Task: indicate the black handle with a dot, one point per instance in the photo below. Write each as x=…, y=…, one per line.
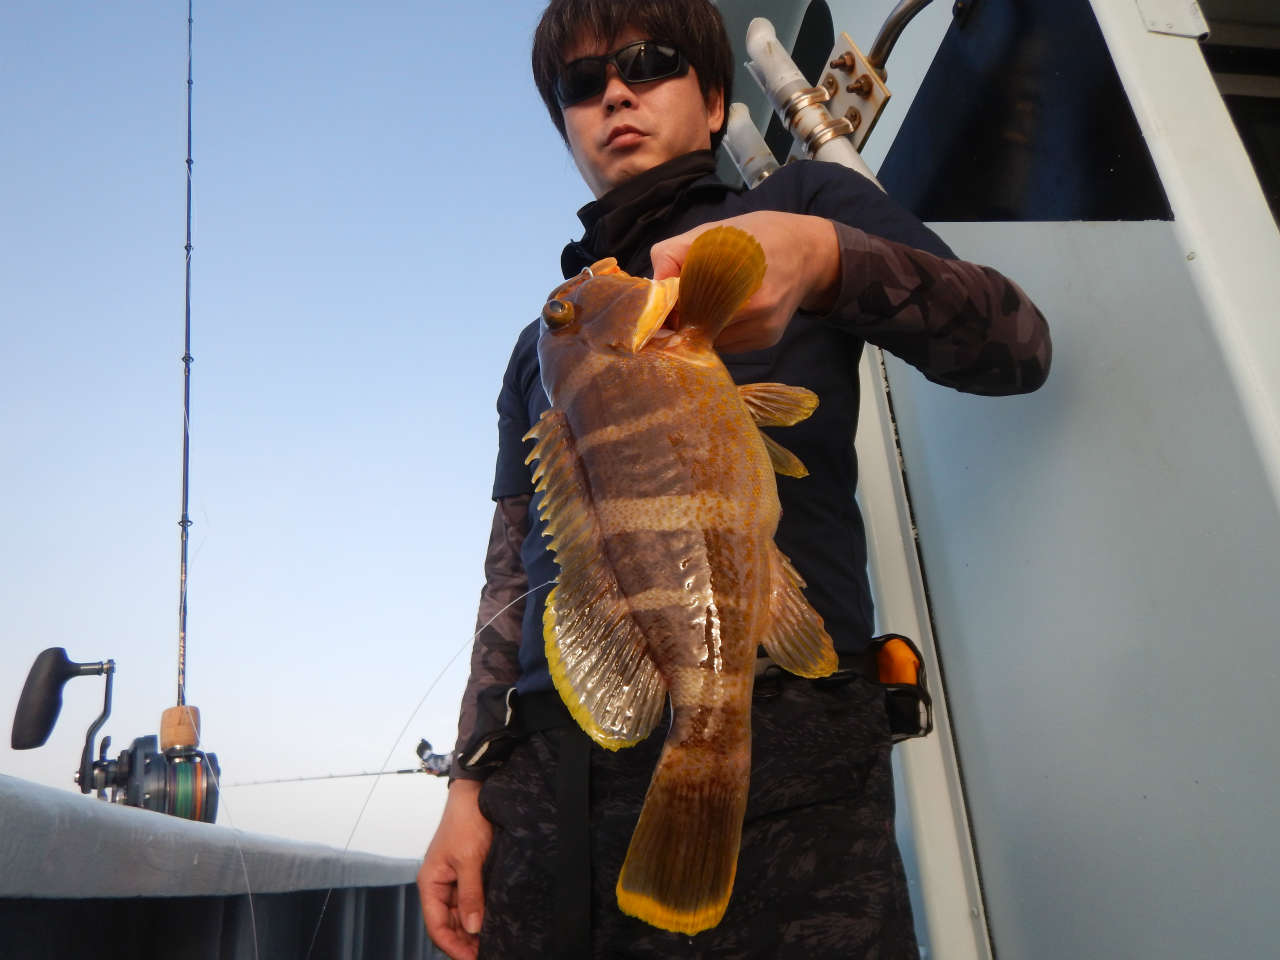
x=41, y=699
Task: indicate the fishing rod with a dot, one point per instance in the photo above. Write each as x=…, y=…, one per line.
x=180, y=724
x=168, y=774
x=435, y=764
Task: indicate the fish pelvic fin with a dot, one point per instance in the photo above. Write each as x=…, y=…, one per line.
x=723, y=268
x=783, y=460
x=795, y=639
x=599, y=659
x=680, y=866
x=779, y=405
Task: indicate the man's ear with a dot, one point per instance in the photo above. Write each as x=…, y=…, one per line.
x=715, y=110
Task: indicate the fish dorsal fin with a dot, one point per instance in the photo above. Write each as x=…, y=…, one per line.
x=795, y=639
x=599, y=660
x=723, y=268
x=783, y=460
x=602, y=268
x=776, y=404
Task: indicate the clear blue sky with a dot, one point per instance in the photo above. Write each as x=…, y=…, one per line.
x=380, y=202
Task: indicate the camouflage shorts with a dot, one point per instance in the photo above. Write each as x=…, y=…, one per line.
x=819, y=875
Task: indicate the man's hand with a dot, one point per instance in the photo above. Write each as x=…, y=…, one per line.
x=803, y=272
x=449, y=881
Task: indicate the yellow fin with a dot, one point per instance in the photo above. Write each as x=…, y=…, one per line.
x=662, y=297
x=602, y=268
x=795, y=639
x=776, y=404
x=680, y=866
x=723, y=268
x=598, y=657
x=783, y=460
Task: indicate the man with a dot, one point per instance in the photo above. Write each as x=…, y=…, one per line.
x=524, y=862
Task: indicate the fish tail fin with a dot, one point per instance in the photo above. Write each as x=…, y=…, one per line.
x=723, y=268
x=679, y=870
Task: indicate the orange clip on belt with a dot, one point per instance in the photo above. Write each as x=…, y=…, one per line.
x=896, y=662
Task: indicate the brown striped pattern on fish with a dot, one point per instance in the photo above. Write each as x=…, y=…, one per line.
x=661, y=505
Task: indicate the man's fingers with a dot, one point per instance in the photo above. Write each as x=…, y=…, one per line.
x=449, y=883
x=667, y=259
x=443, y=924
x=437, y=898
x=457, y=945
x=470, y=894
x=438, y=894
x=436, y=907
x=668, y=255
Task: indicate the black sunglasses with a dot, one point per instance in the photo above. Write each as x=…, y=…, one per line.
x=636, y=63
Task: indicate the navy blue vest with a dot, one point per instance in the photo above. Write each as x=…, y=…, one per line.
x=821, y=528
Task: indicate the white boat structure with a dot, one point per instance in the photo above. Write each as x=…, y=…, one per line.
x=1093, y=567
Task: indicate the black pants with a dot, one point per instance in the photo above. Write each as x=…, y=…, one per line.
x=819, y=875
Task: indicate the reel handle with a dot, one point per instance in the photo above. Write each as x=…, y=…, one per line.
x=41, y=699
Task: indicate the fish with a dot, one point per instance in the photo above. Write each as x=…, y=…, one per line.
x=660, y=502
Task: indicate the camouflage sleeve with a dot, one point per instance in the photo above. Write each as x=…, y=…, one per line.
x=961, y=325
x=494, y=657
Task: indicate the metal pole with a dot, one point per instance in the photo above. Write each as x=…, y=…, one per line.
x=893, y=26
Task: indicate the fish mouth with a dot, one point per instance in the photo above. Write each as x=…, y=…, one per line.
x=662, y=297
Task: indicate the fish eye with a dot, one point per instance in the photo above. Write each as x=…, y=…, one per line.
x=558, y=313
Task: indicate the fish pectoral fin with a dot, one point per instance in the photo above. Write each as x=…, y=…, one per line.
x=783, y=460
x=598, y=657
x=680, y=866
x=777, y=404
x=722, y=269
x=795, y=639
x=600, y=663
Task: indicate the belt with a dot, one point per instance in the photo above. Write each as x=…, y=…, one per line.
x=769, y=674
x=850, y=665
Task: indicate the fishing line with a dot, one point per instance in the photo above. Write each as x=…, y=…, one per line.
x=235, y=836
x=323, y=776
x=374, y=786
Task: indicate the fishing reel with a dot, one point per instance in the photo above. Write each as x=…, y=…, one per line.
x=167, y=774
x=436, y=764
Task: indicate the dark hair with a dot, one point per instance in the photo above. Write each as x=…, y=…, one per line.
x=694, y=26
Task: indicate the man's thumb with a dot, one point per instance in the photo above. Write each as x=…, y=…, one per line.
x=665, y=263
x=668, y=256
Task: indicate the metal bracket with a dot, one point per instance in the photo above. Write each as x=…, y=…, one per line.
x=1176, y=18
x=856, y=93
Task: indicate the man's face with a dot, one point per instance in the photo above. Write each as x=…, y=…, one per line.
x=626, y=130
